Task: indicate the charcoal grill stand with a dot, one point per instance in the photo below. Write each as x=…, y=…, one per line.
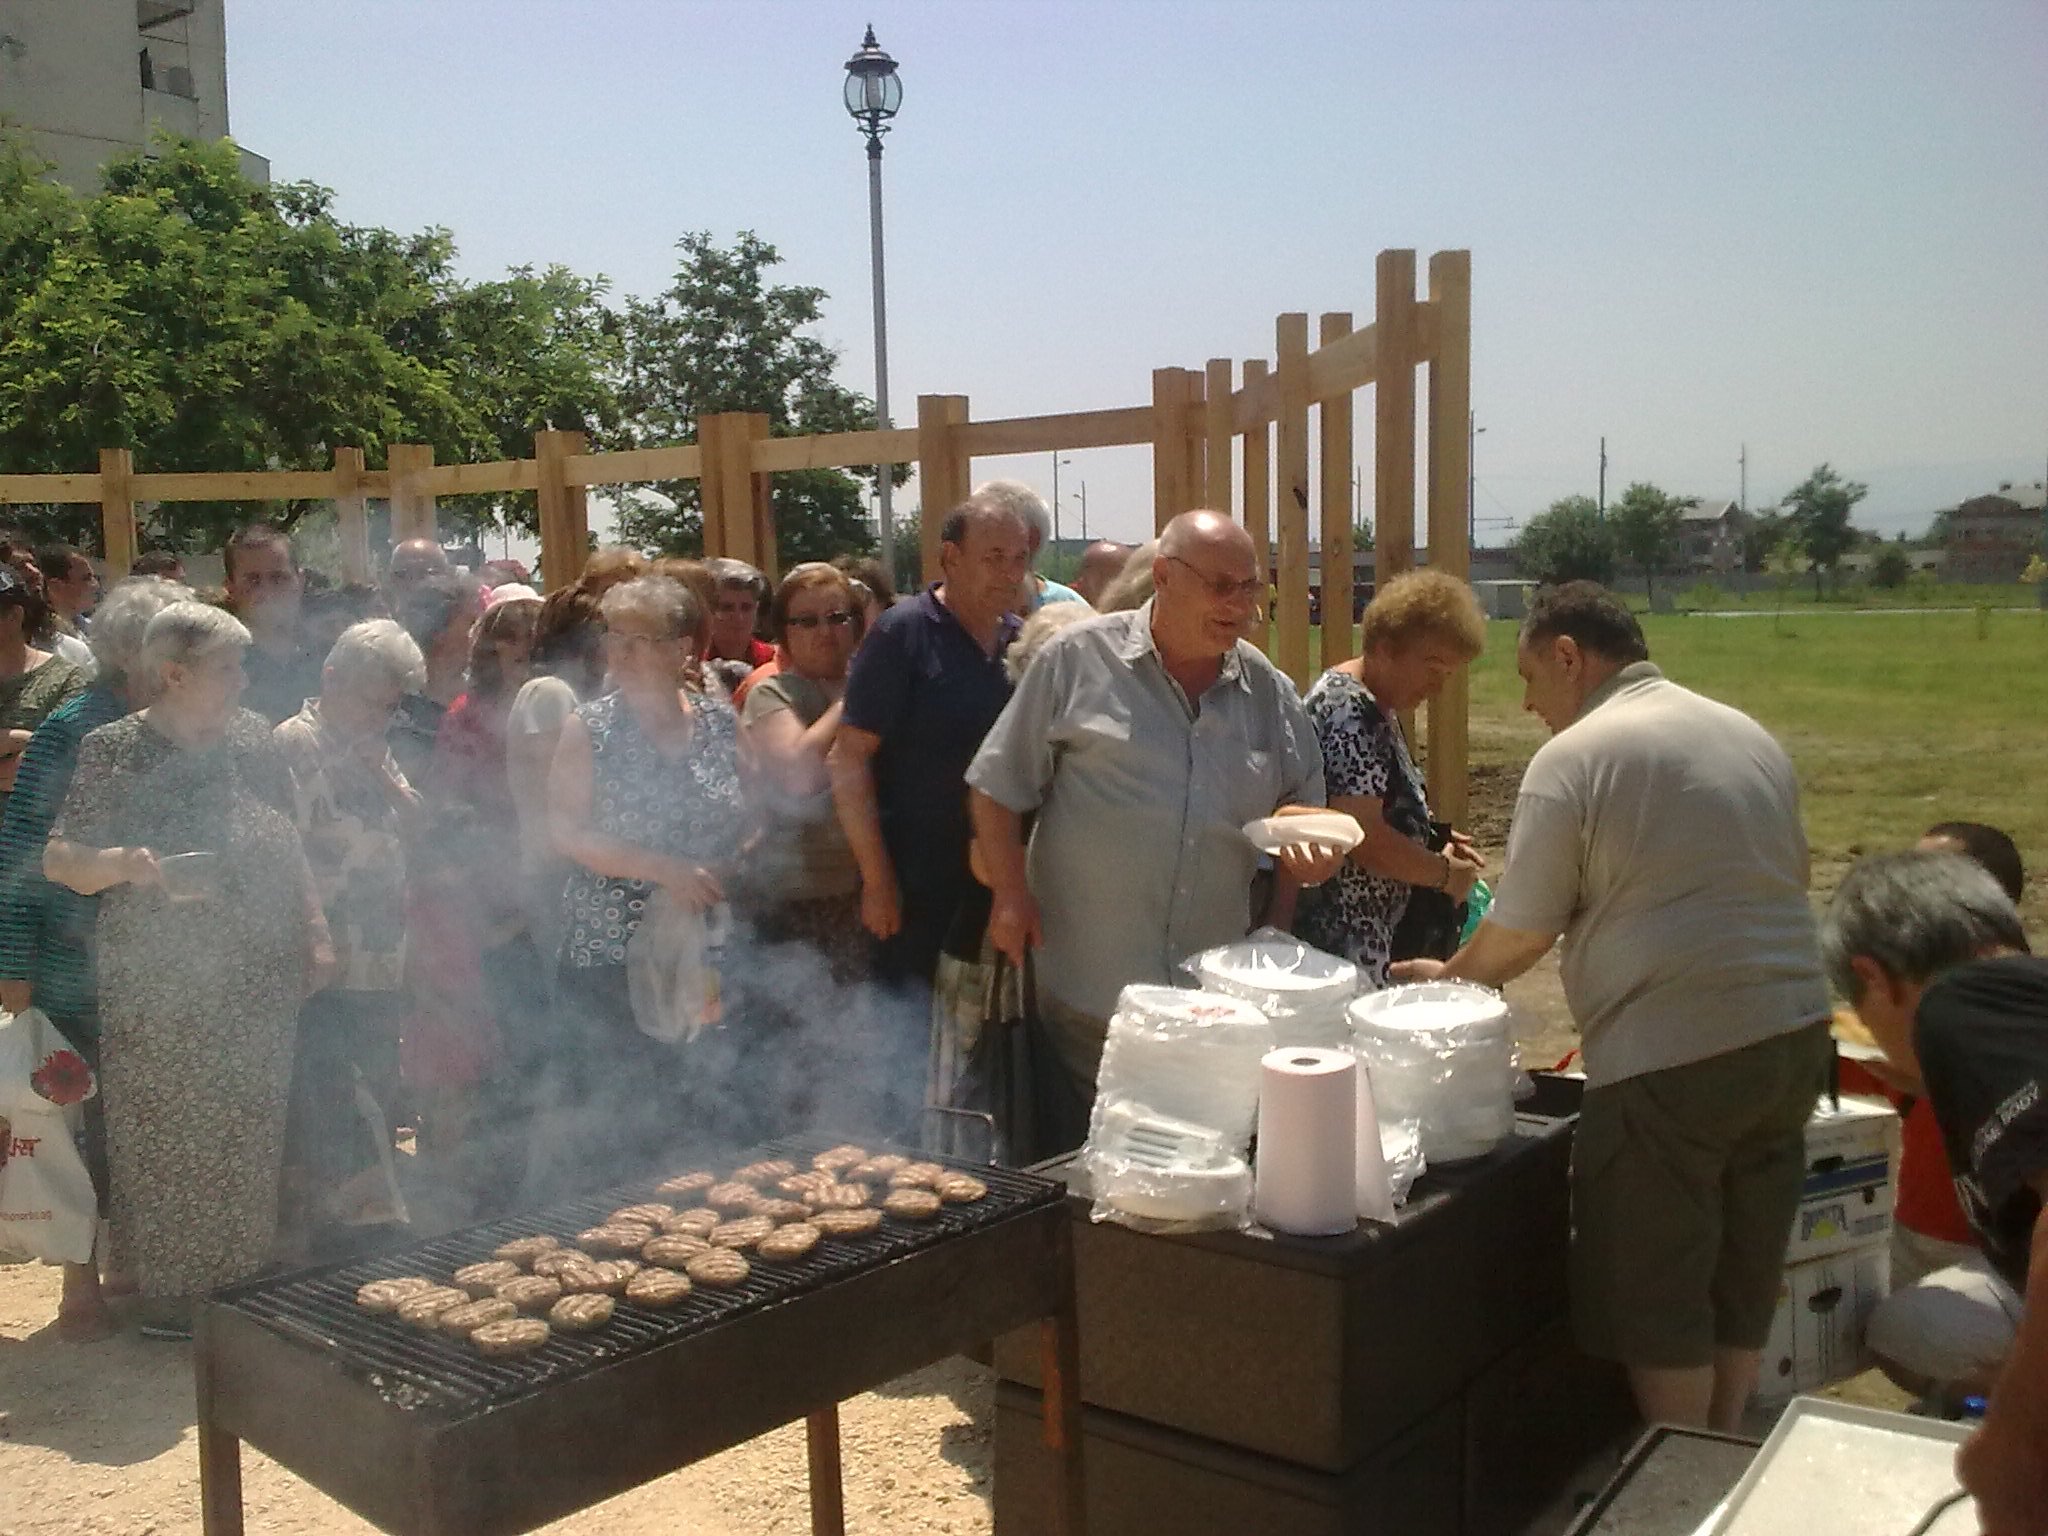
x=521, y=1463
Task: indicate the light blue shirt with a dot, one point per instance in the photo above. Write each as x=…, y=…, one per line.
x=1053, y=592
x=1138, y=858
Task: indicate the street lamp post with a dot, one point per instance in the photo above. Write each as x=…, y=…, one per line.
x=1084, y=521
x=873, y=93
x=1472, y=431
x=1057, y=461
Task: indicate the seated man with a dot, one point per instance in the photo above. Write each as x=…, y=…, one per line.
x=1931, y=953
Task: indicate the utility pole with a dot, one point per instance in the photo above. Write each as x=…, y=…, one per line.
x=1055, y=499
x=1742, y=497
x=1472, y=431
x=1084, y=511
x=1603, y=477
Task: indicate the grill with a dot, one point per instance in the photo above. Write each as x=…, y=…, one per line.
x=419, y=1433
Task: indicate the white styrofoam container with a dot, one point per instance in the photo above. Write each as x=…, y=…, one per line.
x=1861, y=1132
x=1824, y=1306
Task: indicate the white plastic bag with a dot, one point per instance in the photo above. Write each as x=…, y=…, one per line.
x=48, y=1209
x=669, y=978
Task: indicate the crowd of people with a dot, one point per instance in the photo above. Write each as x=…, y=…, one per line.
x=673, y=859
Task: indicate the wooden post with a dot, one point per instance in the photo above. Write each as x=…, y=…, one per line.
x=1216, y=423
x=943, y=472
x=1171, y=488
x=412, y=504
x=726, y=485
x=352, y=515
x=1450, y=545
x=828, y=1488
x=1335, y=420
x=1258, y=489
x=1291, y=495
x=761, y=500
x=1393, y=449
x=564, y=508
x=117, y=510
x=1197, y=448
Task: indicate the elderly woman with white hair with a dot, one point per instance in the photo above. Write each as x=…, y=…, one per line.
x=355, y=812
x=203, y=962
x=644, y=796
x=46, y=930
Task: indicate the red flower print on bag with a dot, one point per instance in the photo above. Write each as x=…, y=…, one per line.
x=63, y=1078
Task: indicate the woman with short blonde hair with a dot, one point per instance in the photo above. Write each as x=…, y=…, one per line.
x=1420, y=628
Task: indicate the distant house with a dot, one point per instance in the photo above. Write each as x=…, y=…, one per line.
x=1710, y=538
x=1991, y=537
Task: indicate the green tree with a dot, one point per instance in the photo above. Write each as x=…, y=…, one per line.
x=1761, y=536
x=208, y=323
x=1568, y=541
x=1891, y=568
x=723, y=338
x=1644, y=526
x=1361, y=533
x=1817, y=520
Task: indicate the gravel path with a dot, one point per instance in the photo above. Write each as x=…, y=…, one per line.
x=98, y=1440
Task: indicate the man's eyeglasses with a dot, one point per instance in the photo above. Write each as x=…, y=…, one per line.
x=1222, y=588
x=836, y=618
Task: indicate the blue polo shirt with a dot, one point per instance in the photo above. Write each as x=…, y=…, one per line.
x=923, y=685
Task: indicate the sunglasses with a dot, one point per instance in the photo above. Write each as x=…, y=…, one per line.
x=837, y=619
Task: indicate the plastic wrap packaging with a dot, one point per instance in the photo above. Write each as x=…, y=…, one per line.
x=1441, y=1053
x=1175, y=1100
x=1401, y=1143
x=1303, y=990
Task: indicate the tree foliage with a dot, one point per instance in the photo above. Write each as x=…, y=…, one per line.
x=1891, y=567
x=1817, y=520
x=1644, y=525
x=723, y=338
x=1568, y=541
x=208, y=323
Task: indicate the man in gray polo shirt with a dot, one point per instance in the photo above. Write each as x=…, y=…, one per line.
x=1144, y=741
x=1658, y=832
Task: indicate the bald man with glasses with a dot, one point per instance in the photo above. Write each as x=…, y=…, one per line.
x=1142, y=742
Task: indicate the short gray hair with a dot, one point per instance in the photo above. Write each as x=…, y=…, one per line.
x=1915, y=914
x=667, y=601
x=122, y=618
x=728, y=574
x=1020, y=501
x=190, y=632
x=378, y=649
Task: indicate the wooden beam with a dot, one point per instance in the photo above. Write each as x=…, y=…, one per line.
x=474, y=479
x=564, y=508
x=1393, y=449
x=1334, y=457
x=1450, y=548
x=1170, y=489
x=1197, y=442
x=35, y=488
x=633, y=466
x=841, y=450
x=1291, y=494
x=238, y=485
x=352, y=514
x=1124, y=428
x=1258, y=487
x=943, y=470
x=1343, y=364
x=1216, y=424
x=412, y=503
x=117, y=510
x=376, y=484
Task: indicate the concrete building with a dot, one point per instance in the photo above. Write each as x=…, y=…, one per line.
x=92, y=79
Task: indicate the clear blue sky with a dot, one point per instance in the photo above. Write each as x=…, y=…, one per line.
x=1820, y=229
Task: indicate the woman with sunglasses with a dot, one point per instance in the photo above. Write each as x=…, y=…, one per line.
x=803, y=876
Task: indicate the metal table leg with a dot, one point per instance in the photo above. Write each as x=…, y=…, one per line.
x=220, y=1482
x=828, y=1496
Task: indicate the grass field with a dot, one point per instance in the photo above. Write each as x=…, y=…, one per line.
x=1894, y=720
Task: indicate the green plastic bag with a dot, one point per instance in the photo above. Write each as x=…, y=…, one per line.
x=1476, y=907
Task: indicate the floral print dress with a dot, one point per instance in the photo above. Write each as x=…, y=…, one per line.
x=1364, y=754
x=198, y=998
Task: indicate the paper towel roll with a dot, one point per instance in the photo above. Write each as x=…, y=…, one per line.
x=1307, y=1181
x=1375, y=1186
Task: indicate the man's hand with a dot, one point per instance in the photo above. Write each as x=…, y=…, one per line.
x=1416, y=970
x=15, y=996
x=323, y=966
x=2008, y=1477
x=135, y=866
x=693, y=885
x=1307, y=865
x=1013, y=926
x=881, y=908
x=1463, y=868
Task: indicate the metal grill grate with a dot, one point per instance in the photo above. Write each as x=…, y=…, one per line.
x=431, y=1372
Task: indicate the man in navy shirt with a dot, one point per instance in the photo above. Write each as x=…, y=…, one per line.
x=924, y=688
x=1931, y=953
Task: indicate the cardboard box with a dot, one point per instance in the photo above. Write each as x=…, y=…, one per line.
x=1824, y=1306
x=1851, y=1184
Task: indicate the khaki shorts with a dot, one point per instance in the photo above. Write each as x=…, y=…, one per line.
x=1684, y=1184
